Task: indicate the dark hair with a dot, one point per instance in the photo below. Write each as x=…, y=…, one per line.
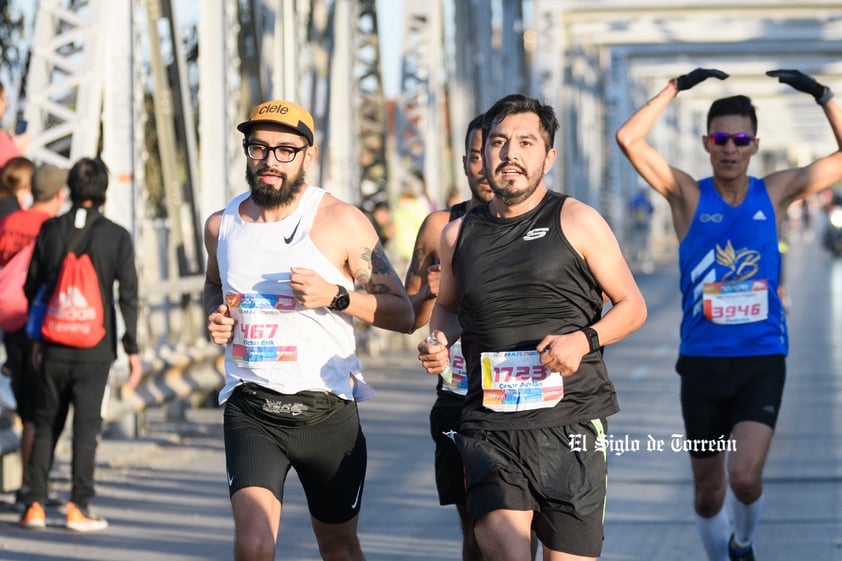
x=735, y=105
x=476, y=123
x=88, y=181
x=16, y=174
x=515, y=104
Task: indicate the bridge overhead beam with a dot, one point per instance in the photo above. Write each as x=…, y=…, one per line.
x=620, y=55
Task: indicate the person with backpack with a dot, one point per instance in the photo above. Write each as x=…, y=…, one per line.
x=17, y=236
x=78, y=257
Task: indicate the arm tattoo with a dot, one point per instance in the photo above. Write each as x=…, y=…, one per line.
x=418, y=256
x=379, y=270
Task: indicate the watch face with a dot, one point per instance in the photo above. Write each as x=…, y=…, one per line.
x=341, y=301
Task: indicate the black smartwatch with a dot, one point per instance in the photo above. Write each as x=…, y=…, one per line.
x=341, y=300
x=593, y=338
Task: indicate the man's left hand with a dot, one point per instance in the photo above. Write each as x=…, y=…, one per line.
x=563, y=353
x=309, y=289
x=801, y=82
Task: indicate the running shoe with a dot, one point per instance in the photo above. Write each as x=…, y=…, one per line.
x=34, y=517
x=83, y=520
x=735, y=554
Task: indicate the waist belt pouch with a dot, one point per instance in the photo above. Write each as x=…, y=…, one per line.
x=291, y=410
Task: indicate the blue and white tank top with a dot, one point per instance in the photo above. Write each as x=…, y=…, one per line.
x=730, y=269
x=278, y=344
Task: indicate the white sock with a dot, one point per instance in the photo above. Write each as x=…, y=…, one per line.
x=715, y=533
x=746, y=519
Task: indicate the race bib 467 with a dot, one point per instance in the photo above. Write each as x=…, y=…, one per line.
x=264, y=334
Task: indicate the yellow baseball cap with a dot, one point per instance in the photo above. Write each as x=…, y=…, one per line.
x=281, y=112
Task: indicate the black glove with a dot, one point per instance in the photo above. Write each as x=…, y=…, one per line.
x=803, y=83
x=687, y=81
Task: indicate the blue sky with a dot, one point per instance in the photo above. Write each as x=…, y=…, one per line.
x=390, y=28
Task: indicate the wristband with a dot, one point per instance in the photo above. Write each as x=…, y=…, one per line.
x=593, y=338
x=826, y=96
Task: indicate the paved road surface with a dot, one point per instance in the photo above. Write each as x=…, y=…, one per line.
x=165, y=495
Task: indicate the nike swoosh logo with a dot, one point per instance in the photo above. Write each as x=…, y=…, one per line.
x=292, y=235
x=359, y=492
x=230, y=480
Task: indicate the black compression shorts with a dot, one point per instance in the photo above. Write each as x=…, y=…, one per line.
x=717, y=393
x=316, y=433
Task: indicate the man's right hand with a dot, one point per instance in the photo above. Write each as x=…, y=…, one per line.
x=687, y=81
x=432, y=353
x=221, y=326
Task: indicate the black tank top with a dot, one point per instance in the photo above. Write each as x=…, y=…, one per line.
x=458, y=210
x=520, y=280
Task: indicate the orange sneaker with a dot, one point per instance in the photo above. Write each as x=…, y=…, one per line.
x=34, y=517
x=83, y=520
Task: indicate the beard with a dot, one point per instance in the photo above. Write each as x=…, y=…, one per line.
x=482, y=194
x=506, y=192
x=267, y=196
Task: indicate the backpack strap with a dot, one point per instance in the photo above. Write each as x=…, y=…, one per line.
x=79, y=235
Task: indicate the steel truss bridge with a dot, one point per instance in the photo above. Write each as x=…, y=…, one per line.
x=111, y=78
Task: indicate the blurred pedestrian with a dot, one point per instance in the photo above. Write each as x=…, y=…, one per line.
x=412, y=208
x=17, y=230
x=640, y=225
x=15, y=185
x=381, y=216
x=12, y=143
x=72, y=375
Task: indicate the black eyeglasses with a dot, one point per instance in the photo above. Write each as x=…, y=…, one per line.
x=740, y=139
x=284, y=154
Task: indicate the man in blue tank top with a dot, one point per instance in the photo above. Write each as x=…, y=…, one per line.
x=522, y=283
x=733, y=332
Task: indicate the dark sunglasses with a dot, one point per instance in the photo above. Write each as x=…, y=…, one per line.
x=740, y=139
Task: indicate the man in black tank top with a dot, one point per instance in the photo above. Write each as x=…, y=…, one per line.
x=522, y=283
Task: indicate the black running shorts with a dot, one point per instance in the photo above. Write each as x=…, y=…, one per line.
x=718, y=392
x=316, y=433
x=555, y=472
x=450, y=473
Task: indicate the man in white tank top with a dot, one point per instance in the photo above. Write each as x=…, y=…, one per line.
x=289, y=268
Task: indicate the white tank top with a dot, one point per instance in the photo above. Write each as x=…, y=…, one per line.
x=278, y=344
